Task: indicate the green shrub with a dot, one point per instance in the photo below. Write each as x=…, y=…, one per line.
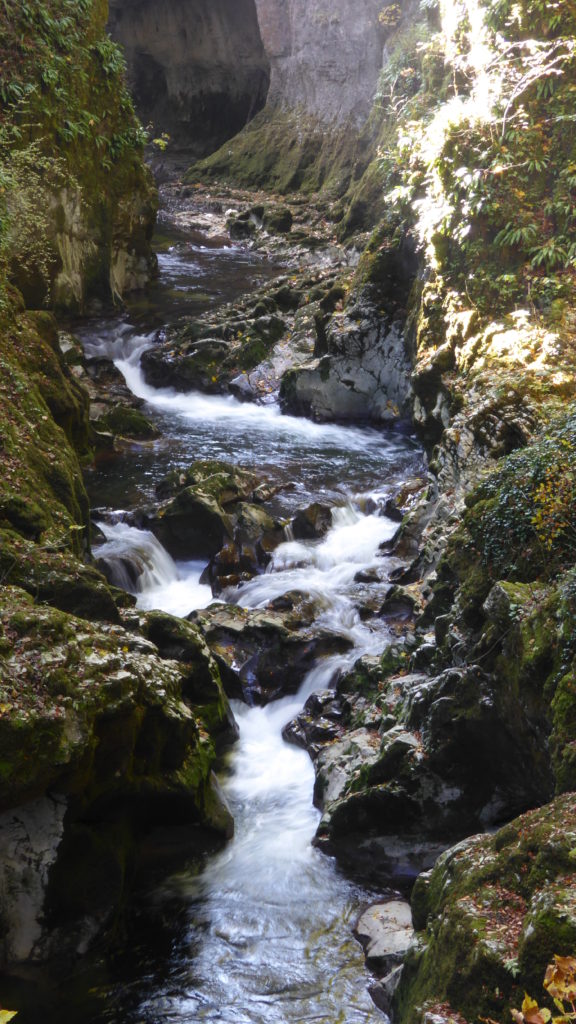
x=523, y=517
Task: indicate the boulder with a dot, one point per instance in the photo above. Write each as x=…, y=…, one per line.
x=385, y=931
x=455, y=753
x=101, y=746
x=312, y=522
x=320, y=722
x=362, y=373
x=490, y=916
x=261, y=657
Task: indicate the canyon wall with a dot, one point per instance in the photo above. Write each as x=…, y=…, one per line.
x=325, y=59
x=198, y=71
x=201, y=72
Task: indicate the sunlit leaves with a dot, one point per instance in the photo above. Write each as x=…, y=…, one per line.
x=531, y=1013
x=560, y=983
x=560, y=980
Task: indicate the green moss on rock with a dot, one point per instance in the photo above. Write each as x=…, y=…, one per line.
x=490, y=915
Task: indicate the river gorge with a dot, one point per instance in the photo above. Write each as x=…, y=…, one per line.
x=262, y=924
x=287, y=558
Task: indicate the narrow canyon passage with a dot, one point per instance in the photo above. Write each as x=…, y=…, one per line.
x=264, y=932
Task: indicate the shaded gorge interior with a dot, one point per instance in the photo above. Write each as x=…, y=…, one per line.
x=198, y=72
x=287, y=555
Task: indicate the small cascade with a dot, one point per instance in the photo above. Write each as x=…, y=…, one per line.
x=270, y=918
x=136, y=561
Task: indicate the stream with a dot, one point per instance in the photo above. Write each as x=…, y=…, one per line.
x=263, y=932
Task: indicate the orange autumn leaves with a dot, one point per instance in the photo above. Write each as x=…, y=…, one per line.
x=560, y=984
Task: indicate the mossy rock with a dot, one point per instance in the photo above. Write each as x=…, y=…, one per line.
x=98, y=714
x=127, y=422
x=58, y=578
x=491, y=914
x=278, y=220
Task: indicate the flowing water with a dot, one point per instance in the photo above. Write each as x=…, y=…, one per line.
x=264, y=932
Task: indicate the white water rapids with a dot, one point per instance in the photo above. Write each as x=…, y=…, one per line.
x=269, y=920
x=269, y=937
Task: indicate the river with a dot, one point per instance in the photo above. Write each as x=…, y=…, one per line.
x=263, y=932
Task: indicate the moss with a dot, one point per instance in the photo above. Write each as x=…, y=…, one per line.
x=563, y=744
x=40, y=465
x=99, y=199
x=286, y=154
x=492, y=902
x=93, y=710
x=129, y=423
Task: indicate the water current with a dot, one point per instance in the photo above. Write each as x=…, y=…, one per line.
x=263, y=934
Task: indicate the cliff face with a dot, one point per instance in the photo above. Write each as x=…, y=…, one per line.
x=77, y=205
x=198, y=70
x=325, y=59
x=301, y=74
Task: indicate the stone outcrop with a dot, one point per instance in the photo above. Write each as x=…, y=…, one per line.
x=80, y=203
x=364, y=375
x=108, y=719
x=101, y=747
x=489, y=918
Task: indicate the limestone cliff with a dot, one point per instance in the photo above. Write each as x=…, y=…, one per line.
x=325, y=59
x=202, y=71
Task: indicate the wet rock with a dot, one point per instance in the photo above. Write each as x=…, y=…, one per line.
x=128, y=422
x=364, y=372
x=382, y=992
x=312, y=522
x=240, y=228
x=255, y=536
x=385, y=931
x=260, y=657
x=288, y=298
x=59, y=579
x=224, y=482
x=278, y=220
x=195, y=368
x=358, y=749
x=180, y=641
x=319, y=722
x=214, y=510
x=192, y=525
x=401, y=603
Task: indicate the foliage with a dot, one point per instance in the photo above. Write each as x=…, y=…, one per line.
x=560, y=983
x=66, y=121
x=555, y=500
x=523, y=517
x=390, y=16
x=489, y=175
